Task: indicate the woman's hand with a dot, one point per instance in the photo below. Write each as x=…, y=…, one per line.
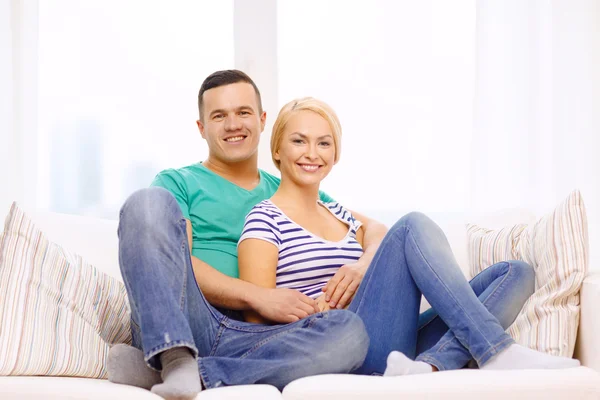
x=340, y=289
x=283, y=305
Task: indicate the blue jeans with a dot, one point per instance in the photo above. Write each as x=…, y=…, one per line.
x=466, y=321
x=168, y=310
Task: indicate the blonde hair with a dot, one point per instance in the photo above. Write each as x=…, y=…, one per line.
x=306, y=104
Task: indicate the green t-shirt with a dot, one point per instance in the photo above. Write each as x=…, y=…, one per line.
x=217, y=209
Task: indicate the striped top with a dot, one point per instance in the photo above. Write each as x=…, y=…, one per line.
x=306, y=261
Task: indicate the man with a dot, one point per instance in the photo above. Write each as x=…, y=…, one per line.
x=177, y=249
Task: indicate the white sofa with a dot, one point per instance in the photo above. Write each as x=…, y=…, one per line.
x=96, y=241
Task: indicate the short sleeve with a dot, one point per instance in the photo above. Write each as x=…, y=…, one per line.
x=355, y=223
x=344, y=214
x=260, y=224
x=172, y=181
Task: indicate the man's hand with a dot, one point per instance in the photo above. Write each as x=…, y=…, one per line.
x=340, y=289
x=322, y=304
x=283, y=305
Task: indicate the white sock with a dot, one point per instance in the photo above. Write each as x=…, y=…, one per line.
x=181, y=380
x=516, y=356
x=399, y=364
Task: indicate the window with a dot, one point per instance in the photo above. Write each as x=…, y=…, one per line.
x=117, y=94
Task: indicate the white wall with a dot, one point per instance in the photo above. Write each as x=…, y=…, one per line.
x=400, y=76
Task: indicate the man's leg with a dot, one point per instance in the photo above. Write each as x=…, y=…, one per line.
x=413, y=259
x=171, y=321
x=323, y=343
x=503, y=288
x=166, y=303
x=156, y=268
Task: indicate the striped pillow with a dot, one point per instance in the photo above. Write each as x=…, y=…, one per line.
x=556, y=246
x=58, y=314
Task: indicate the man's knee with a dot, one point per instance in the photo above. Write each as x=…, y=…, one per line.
x=148, y=205
x=352, y=340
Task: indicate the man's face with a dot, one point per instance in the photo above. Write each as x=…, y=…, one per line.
x=232, y=123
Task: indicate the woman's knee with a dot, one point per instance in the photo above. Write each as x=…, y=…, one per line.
x=523, y=273
x=417, y=222
x=413, y=219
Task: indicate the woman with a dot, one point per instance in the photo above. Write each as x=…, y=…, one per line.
x=296, y=241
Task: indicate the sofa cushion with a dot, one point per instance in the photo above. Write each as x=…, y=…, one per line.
x=587, y=349
x=573, y=383
x=58, y=313
x=54, y=388
x=92, y=238
x=556, y=246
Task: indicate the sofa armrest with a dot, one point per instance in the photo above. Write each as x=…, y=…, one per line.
x=587, y=348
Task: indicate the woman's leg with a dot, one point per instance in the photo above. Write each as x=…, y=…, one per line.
x=503, y=288
x=413, y=259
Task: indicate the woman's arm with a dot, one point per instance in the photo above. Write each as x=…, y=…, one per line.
x=257, y=263
x=373, y=233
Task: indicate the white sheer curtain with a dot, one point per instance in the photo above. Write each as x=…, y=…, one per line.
x=18, y=85
x=6, y=104
x=537, y=120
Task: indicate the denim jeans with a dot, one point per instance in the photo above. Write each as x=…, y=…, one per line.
x=467, y=321
x=168, y=310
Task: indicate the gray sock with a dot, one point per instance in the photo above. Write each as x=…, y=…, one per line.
x=516, y=356
x=181, y=380
x=126, y=366
x=399, y=364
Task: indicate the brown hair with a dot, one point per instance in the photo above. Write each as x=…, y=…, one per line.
x=222, y=78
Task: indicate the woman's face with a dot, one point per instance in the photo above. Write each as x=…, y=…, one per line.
x=307, y=150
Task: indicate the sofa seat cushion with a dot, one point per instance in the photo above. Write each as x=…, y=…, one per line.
x=59, y=388
x=576, y=383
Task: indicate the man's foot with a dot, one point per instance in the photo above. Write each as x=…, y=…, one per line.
x=516, y=356
x=181, y=379
x=399, y=364
x=126, y=366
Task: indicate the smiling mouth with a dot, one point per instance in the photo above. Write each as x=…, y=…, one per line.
x=309, y=167
x=235, y=139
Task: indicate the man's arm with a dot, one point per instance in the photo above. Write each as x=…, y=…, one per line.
x=235, y=294
x=340, y=289
x=374, y=232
